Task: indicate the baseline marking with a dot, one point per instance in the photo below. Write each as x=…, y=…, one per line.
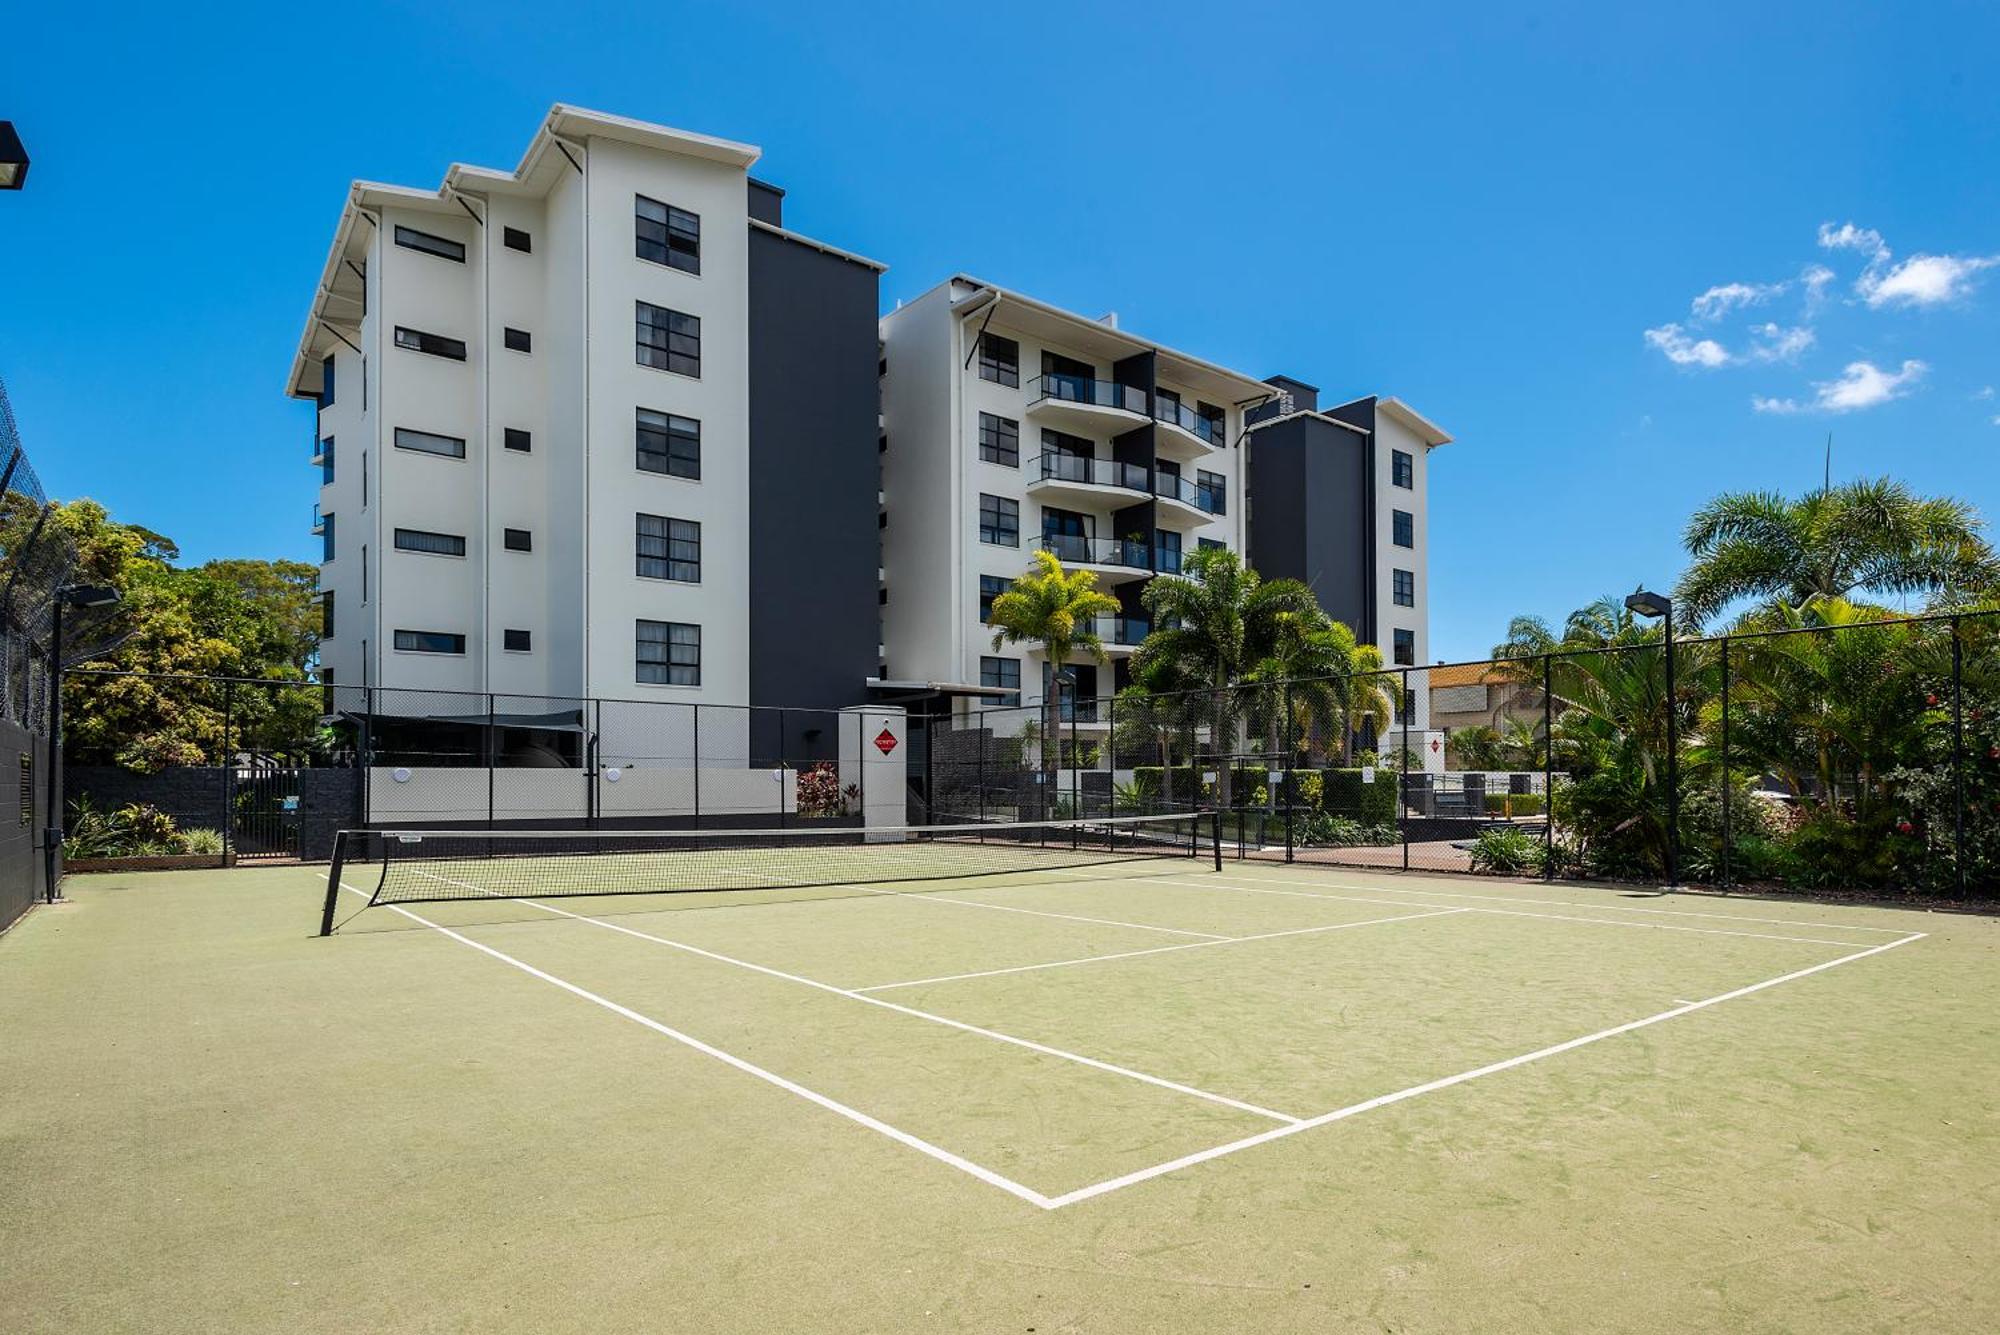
x=1161, y=950
x=901, y=1137
x=994, y=1034
x=1431, y=1087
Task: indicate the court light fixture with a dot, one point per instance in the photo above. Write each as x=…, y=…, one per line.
x=13, y=158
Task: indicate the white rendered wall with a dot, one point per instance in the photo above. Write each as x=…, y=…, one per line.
x=1391, y=435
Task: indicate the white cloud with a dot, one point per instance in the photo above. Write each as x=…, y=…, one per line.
x=1778, y=343
x=1718, y=301
x=1922, y=280
x=1861, y=385
x=1985, y=392
x=1682, y=350
x=1814, y=279
x=1849, y=237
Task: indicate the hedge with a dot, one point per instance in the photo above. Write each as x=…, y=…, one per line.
x=1514, y=804
x=1370, y=803
x=1187, y=781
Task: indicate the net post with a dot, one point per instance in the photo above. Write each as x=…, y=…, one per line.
x=1549, y=768
x=1958, y=756
x=333, y=882
x=1403, y=767
x=1285, y=727
x=1727, y=870
x=1215, y=838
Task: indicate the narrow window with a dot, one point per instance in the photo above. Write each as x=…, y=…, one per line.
x=1404, y=528
x=518, y=340
x=1000, y=360
x=437, y=345
x=326, y=382
x=991, y=587
x=431, y=544
x=1405, y=588
x=326, y=615
x=429, y=642
x=1209, y=544
x=515, y=239
x=517, y=539
x=669, y=653
x=999, y=521
x=667, y=235
x=1402, y=469
x=326, y=462
x=430, y=442
x=515, y=641
x=517, y=439
x=364, y=572
x=443, y=247
x=364, y=479
x=1406, y=647
x=669, y=444
x=1000, y=440
x=326, y=537
x=668, y=340
x=669, y=549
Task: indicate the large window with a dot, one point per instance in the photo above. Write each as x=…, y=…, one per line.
x=667, y=235
x=1402, y=469
x=999, y=521
x=1405, y=588
x=1406, y=647
x=430, y=442
x=1000, y=440
x=442, y=247
x=1211, y=491
x=1405, y=528
x=431, y=544
x=991, y=587
x=669, y=653
x=429, y=642
x=1000, y=360
x=437, y=345
x=669, y=444
x=669, y=549
x=1003, y=673
x=668, y=340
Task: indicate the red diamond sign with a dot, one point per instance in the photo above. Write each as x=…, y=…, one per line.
x=885, y=741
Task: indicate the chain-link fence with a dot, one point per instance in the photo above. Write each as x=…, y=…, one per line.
x=1857, y=755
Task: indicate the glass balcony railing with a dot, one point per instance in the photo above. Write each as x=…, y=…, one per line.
x=1082, y=389
x=319, y=523
x=1129, y=553
x=1122, y=630
x=1099, y=472
x=1187, y=419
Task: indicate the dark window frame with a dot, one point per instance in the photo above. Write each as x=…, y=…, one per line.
x=1000, y=360
x=429, y=243
x=427, y=642
x=1403, y=528
x=509, y=644
x=1403, y=469
x=673, y=239
x=517, y=540
x=514, y=238
x=1403, y=647
x=995, y=669
x=996, y=522
x=679, y=448
x=396, y=438
x=991, y=587
x=517, y=340
x=674, y=662
x=671, y=547
x=418, y=534
x=517, y=440
x=1403, y=587
x=675, y=331
x=431, y=345
x=999, y=440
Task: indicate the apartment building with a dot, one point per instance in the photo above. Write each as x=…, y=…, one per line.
x=596, y=426
x=1339, y=500
x=1013, y=425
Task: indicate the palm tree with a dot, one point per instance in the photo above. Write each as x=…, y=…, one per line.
x=1054, y=610
x=1857, y=538
x=1214, y=624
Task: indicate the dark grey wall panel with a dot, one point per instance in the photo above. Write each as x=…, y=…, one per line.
x=1309, y=516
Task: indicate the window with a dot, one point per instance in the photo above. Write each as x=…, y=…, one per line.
x=1211, y=491
x=517, y=439
x=429, y=642
x=1405, y=588
x=1000, y=360
x=1167, y=551
x=437, y=345
x=433, y=544
x=1402, y=469
x=666, y=235
x=326, y=382
x=1406, y=647
x=515, y=239
x=668, y=340
x=999, y=521
x=669, y=444
x=669, y=549
x=326, y=462
x=516, y=641
x=444, y=248
x=326, y=615
x=1409, y=704
x=364, y=479
x=517, y=540
x=1000, y=440
x=364, y=381
x=326, y=537
x=1212, y=418
x=326, y=697
x=991, y=587
x=669, y=653
x=429, y=442
x=1209, y=544
x=1004, y=673
x=1405, y=528
x=364, y=572
x=518, y=340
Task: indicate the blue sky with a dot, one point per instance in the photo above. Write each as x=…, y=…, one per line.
x=1481, y=209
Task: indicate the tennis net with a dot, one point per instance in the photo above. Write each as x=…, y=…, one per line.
x=420, y=866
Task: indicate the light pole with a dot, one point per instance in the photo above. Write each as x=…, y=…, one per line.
x=1659, y=605
x=13, y=158
x=78, y=596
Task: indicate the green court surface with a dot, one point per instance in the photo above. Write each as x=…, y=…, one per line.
x=1146, y=1097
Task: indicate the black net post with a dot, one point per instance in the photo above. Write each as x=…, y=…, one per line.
x=1727, y=870
x=1958, y=757
x=1673, y=764
x=333, y=883
x=1548, y=768
x=1403, y=766
x=1215, y=838
x=1288, y=748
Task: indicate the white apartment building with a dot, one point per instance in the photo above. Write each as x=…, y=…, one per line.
x=1012, y=425
x=577, y=423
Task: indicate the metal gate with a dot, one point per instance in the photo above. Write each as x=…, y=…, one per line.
x=264, y=812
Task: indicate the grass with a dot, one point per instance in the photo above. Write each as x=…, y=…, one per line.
x=215, y=1120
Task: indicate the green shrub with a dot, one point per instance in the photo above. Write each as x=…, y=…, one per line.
x=1343, y=794
x=1187, y=782
x=201, y=841
x=1506, y=851
x=1514, y=804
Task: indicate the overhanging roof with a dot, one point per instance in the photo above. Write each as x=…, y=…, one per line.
x=1428, y=431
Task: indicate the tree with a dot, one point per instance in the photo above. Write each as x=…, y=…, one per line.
x=1870, y=537
x=1214, y=624
x=1052, y=609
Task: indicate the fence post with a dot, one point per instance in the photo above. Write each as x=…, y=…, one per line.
x=1111, y=752
x=366, y=744
x=1548, y=768
x=1075, y=760
x=1958, y=756
x=697, y=765
x=784, y=766
x=493, y=760
x=1288, y=747
x=1728, y=871
x=228, y=773
x=1403, y=766
x=979, y=739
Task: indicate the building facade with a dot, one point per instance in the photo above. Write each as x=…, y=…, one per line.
x=599, y=426
x=1011, y=425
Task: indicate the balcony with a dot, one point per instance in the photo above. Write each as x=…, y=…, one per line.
x=1088, y=405
x=319, y=522
x=1121, y=633
x=1116, y=559
x=1188, y=503
x=1096, y=481
x=1188, y=426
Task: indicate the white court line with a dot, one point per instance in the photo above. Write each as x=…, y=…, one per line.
x=1161, y=950
x=932, y=897
x=901, y=1137
x=1431, y=1087
x=994, y=1034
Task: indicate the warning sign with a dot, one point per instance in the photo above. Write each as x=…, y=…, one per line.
x=885, y=741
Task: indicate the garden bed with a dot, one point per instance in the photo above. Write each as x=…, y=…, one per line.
x=151, y=862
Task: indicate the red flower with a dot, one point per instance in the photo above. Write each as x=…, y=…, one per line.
x=1904, y=827
x=1931, y=699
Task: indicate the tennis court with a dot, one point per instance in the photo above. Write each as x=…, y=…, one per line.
x=1078, y=1078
